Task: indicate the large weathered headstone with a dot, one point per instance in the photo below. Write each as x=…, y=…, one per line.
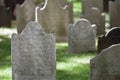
x=106, y=65
x=96, y=17
x=5, y=17
x=54, y=18
x=108, y=39
x=33, y=54
x=25, y=13
x=114, y=11
x=81, y=37
x=88, y=4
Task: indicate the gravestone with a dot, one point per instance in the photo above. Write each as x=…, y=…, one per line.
x=114, y=11
x=106, y=65
x=54, y=18
x=33, y=54
x=81, y=37
x=64, y=3
x=5, y=17
x=88, y=4
x=96, y=17
x=25, y=13
x=108, y=39
x=2, y=3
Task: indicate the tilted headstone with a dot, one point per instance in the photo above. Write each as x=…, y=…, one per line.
x=108, y=39
x=64, y=3
x=54, y=18
x=88, y=4
x=81, y=37
x=5, y=17
x=25, y=13
x=33, y=54
x=114, y=11
x=106, y=65
x=96, y=17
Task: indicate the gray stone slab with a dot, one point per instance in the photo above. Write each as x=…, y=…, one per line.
x=54, y=18
x=88, y=4
x=2, y=3
x=33, y=54
x=96, y=17
x=106, y=65
x=81, y=37
x=114, y=11
x=64, y=3
x=25, y=13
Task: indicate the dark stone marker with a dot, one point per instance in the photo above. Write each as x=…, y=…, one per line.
x=5, y=17
x=108, y=39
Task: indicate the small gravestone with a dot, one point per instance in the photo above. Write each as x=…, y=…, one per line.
x=25, y=13
x=54, y=18
x=96, y=17
x=106, y=65
x=114, y=11
x=5, y=17
x=108, y=39
x=33, y=54
x=64, y=3
x=88, y=4
x=81, y=37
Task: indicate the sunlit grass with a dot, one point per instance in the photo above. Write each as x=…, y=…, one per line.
x=77, y=10
x=72, y=66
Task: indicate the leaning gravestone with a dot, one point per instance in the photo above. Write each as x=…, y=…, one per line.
x=114, y=11
x=106, y=65
x=33, y=54
x=88, y=4
x=54, y=18
x=96, y=17
x=108, y=39
x=81, y=37
x=25, y=13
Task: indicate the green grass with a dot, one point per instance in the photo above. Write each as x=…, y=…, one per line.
x=5, y=58
x=72, y=66
x=77, y=10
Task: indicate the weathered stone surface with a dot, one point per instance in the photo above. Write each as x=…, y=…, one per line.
x=5, y=17
x=88, y=4
x=33, y=54
x=81, y=37
x=108, y=39
x=114, y=11
x=25, y=13
x=54, y=18
x=64, y=3
x=96, y=17
x=106, y=65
